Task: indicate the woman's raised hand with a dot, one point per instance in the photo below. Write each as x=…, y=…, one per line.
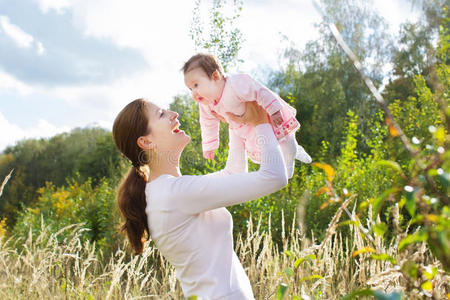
x=254, y=114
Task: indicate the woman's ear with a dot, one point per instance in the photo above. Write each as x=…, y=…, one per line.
x=144, y=143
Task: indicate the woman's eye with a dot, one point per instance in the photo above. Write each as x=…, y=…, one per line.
x=162, y=113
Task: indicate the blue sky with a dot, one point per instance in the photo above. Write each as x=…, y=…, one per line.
x=74, y=63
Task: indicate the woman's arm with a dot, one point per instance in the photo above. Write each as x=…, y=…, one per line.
x=194, y=194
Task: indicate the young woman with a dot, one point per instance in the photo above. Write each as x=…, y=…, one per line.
x=186, y=215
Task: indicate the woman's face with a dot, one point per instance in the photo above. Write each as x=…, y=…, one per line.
x=165, y=135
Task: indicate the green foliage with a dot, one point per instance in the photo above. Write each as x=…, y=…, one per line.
x=391, y=191
x=417, y=114
x=221, y=38
x=192, y=161
x=58, y=207
x=88, y=152
x=354, y=174
x=415, y=52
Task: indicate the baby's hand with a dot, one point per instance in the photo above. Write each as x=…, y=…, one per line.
x=277, y=118
x=218, y=116
x=208, y=154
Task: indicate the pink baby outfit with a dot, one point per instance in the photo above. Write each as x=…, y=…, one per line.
x=239, y=89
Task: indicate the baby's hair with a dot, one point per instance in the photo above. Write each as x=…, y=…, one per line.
x=207, y=62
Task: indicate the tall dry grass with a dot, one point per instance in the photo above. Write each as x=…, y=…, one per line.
x=49, y=268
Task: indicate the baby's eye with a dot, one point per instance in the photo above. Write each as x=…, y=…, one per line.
x=162, y=113
x=196, y=85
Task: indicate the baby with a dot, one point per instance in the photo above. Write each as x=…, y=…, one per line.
x=218, y=95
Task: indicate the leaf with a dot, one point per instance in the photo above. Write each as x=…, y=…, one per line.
x=392, y=130
x=410, y=202
x=289, y=253
x=410, y=268
x=384, y=256
x=439, y=134
x=380, y=228
x=311, y=277
x=289, y=272
x=363, y=250
x=281, y=290
x=427, y=286
x=444, y=178
x=390, y=164
x=378, y=202
x=418, y=236
x=348, y=222
x=302, y=259
x=329, y=171
x=325, y=204
x=430, y=272
x=432, y=218
x=323, y=190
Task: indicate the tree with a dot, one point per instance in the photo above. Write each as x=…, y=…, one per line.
x=415, y=52
x=221, y=38
x=322, y=82
x=82, y=153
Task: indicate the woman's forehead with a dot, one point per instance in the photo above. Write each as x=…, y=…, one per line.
x=153, y=108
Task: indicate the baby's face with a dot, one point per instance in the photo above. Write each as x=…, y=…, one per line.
x=204, y=89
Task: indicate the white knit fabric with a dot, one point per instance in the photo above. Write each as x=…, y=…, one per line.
x=192, y=229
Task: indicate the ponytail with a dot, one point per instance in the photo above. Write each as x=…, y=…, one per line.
x=132, y=123
x=132, y=202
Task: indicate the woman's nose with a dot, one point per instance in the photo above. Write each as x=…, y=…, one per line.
x=174, y=115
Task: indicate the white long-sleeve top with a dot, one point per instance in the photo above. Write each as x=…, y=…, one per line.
x=192, y=228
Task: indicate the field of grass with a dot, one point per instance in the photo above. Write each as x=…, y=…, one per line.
x=49, y=268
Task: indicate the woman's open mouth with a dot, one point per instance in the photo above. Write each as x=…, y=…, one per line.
x=177, y=129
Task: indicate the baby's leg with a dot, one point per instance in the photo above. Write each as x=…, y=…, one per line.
x=289, y=149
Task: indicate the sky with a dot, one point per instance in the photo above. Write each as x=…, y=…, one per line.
x=74, y=63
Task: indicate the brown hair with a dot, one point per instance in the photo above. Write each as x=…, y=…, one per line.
x=129, y=125
x=207, y=62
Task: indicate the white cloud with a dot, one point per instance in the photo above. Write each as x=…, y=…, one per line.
x=159, y=30
x=263, y=24
x=396, y=12
x=103, y=102
x=20, y=37
x=56, y=5
x=9, y=83
x=40, y=48
x=11, y=133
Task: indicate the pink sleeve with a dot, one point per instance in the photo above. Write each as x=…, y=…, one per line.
x=248, y=89
x=209, y=126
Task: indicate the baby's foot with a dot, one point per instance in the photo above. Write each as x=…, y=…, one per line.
x=302, y=156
